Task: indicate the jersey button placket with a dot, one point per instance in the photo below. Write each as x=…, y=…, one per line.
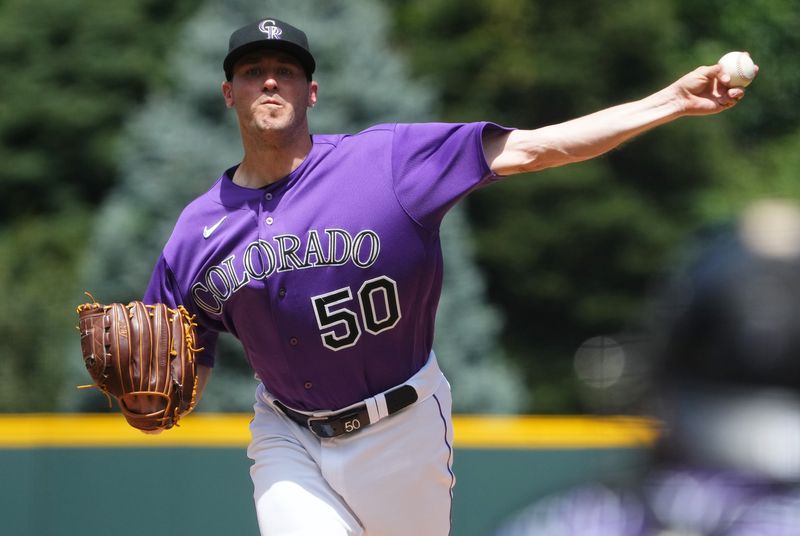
x=267, y=207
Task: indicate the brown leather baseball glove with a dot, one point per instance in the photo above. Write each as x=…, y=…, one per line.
x=144, y=356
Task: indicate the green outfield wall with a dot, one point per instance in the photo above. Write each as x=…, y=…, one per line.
x=87, y=475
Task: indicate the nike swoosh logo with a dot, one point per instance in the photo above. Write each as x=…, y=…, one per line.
x=208, y=231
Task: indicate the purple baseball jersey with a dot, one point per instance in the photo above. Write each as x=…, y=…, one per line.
x=330, y=277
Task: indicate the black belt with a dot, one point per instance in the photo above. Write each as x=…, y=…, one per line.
x=351, y=420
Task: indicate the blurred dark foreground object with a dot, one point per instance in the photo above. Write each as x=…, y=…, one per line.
x=724, y=354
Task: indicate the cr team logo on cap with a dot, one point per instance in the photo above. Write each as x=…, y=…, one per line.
x=268, y=27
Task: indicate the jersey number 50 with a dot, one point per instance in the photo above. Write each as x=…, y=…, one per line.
x=339, y=325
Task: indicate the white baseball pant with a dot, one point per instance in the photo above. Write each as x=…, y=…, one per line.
x=392, y=478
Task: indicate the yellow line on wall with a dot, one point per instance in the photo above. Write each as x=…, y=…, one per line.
x=553, y=432
x=111, y=430
x=25, y=431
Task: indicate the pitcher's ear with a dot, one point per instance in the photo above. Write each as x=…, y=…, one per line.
x=227, y=93
x=313, y=93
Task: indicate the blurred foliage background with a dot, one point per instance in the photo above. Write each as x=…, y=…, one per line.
x=111, y=120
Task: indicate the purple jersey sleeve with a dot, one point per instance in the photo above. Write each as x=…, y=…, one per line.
x=164, y=289
x=436, y=164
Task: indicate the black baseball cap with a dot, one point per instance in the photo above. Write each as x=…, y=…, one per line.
x=269, y=33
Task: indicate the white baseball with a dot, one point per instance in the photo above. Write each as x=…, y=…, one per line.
x=740, y=67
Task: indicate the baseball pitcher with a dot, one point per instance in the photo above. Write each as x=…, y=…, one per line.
x=321, y=254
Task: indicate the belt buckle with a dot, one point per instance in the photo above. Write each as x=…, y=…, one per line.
x=324, y=430
x=336, y=425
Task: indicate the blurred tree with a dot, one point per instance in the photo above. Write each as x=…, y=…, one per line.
x=467, y=330
x=39, y=313
x=72, y=71
x=569, y=252
x=177, y=145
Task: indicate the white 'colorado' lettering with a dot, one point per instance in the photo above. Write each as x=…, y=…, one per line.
x=287, y=252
